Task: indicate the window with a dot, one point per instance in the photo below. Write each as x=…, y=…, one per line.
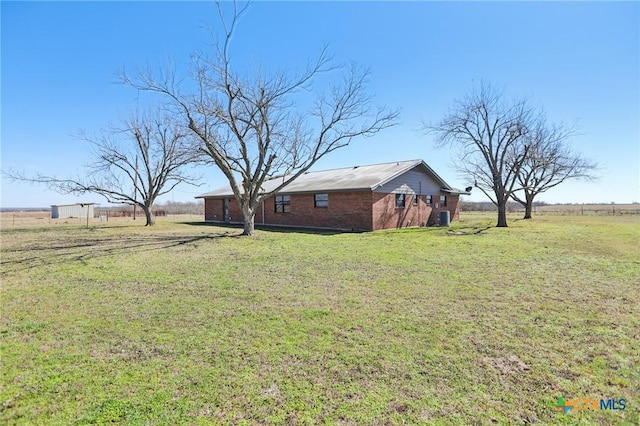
x=443, y=200
x=415, y=199
x=283, y=203
x=321, y=200
x=428, y=199
x=400, y=200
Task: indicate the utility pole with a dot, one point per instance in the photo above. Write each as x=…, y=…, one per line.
x=135, y=189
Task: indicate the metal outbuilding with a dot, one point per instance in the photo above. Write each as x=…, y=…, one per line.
x=78, y=210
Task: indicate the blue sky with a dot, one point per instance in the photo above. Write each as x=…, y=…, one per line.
x=578, y=60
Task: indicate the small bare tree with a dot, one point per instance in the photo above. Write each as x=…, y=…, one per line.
x=549, y=162
x=251, y=127
x=146, y=158
x=489, y=132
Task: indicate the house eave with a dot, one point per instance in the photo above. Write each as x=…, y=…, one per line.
x=315, y=191
x=454, y=191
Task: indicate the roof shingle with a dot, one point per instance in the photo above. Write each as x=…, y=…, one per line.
x=357, y=178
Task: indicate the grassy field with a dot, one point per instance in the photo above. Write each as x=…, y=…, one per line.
x=587, y=209
x=23, y=219
x=556, y=209
x=186, y=323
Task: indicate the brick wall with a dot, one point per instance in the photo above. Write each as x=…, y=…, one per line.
x=213, y=209
x=344, y=211
x=350, y=210
x=453, y=206
x=386, y=215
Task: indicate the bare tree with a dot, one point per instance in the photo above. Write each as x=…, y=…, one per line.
x=250, y=125
x=489, y=133
x=135, y=164
x=549, y=162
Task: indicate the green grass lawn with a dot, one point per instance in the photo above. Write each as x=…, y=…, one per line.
x=191, y=324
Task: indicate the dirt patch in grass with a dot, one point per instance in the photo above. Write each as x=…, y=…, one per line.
x=506, y=366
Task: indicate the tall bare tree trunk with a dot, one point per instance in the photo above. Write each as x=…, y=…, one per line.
x=528, y=206
x=149, y=216
x=502, y=211
x=249, y=221
x=502, y=215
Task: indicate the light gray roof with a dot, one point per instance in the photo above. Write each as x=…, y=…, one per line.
x=75, y=204
x=357, y=178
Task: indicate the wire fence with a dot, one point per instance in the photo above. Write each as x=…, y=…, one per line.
x=18, y=219
x=560, y=209
x=609, y=210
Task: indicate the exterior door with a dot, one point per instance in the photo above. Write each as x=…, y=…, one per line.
x=225, y=210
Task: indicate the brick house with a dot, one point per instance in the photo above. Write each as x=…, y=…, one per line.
x=368, y=198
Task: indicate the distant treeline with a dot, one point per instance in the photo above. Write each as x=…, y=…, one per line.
x=487, y=206
x=163, y=209
x=25, y=209
x=546, y=208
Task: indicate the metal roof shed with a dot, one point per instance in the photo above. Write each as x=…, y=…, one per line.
x=78, y=210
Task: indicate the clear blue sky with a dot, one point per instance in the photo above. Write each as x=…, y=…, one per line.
x=578, y=60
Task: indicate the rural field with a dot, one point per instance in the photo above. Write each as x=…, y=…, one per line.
x=558, y=209
x=587, y=209
x=187, y=323
x=42, y=218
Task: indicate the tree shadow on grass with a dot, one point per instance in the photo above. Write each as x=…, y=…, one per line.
x=279, y=228
x=475, y=230
x=39, y=253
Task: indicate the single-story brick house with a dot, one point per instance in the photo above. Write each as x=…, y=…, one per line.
x=368, y=198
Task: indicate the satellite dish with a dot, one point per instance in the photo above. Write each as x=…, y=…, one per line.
x=468, y=188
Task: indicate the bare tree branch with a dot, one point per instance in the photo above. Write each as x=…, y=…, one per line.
x=549, y=162
x=135, y=164
x=251, y=126
x=490, y=135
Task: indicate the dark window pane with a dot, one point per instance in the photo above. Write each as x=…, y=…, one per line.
x=282, y=203
x=321, y=200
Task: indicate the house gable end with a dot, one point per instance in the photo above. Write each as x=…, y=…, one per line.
x=417, y=165
x=414, y=181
